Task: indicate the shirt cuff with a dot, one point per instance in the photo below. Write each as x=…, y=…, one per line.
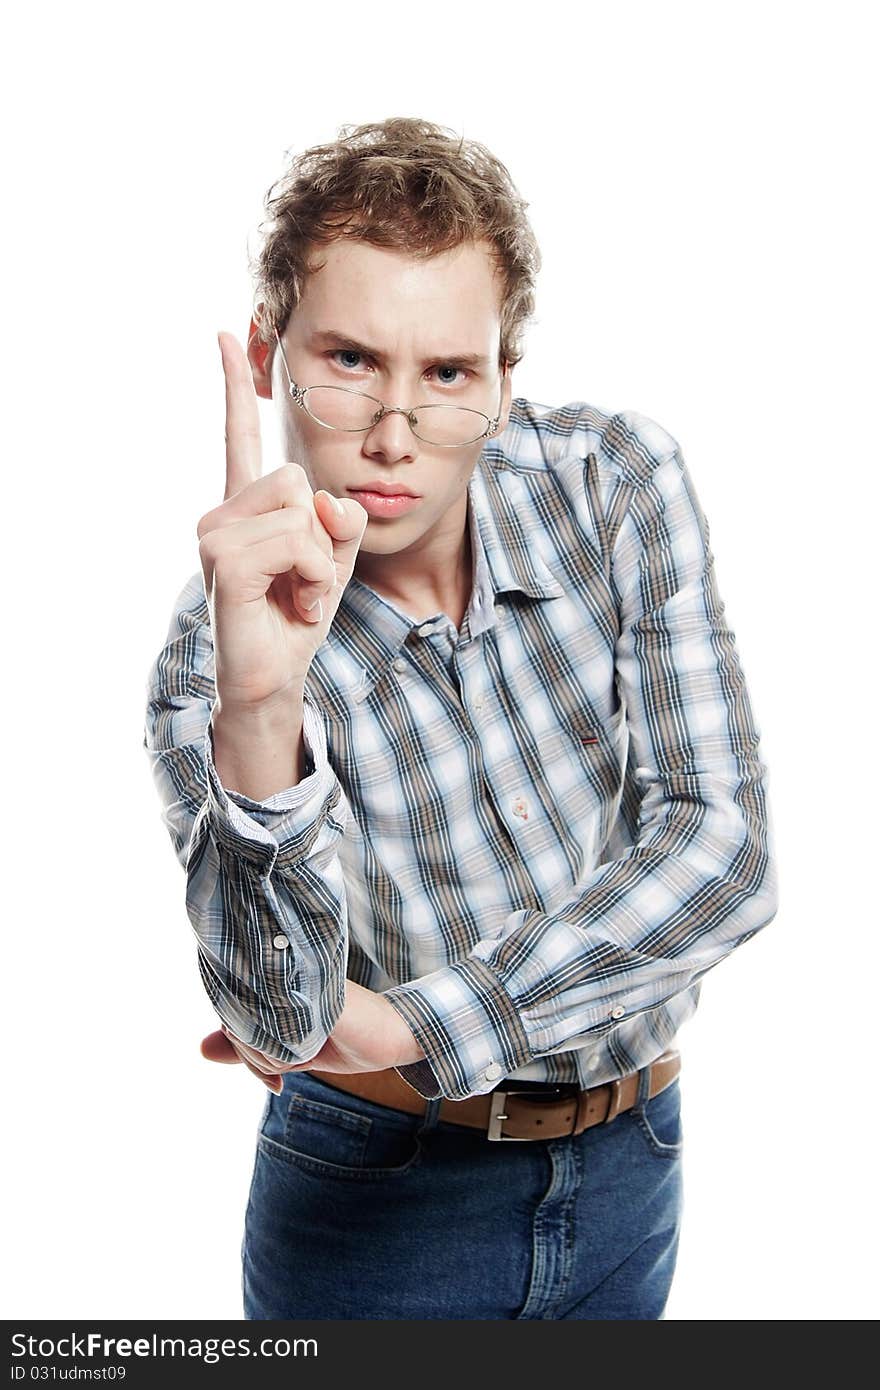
x=286, y=823
x=468, y=1028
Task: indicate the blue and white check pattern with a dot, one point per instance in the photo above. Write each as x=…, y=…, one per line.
x=534, y=834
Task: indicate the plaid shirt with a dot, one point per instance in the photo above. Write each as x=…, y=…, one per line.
x=535, y=833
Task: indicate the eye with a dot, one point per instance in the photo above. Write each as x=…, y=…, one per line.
x=344, y=352
x=459, y=373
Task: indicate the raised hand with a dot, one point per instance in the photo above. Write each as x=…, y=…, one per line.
x=275, y=556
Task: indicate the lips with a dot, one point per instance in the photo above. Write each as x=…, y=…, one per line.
x=384, y=489
x=383, y=505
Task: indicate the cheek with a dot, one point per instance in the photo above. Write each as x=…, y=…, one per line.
x=321, y=456
x=294, y=445
x=463, y=471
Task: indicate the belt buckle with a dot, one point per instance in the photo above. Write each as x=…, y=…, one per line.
x=498, y=1100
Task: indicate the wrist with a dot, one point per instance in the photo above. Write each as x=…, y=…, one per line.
x=259, y=750
x=271, y=713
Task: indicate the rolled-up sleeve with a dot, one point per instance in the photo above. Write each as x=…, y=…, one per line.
x=700, y=879
x=264, y=892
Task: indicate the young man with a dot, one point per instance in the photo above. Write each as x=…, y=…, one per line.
x=454, y=744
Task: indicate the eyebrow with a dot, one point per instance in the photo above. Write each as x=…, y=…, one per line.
x=329, y=336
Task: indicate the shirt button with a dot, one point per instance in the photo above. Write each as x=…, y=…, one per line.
x=478, y=702
x=593, y=1062
x=618, y=1011
x=451, y=633
x=520, y=808
x=400, y=664
x=493, y=1072
x=426, y=630
x=281, y=942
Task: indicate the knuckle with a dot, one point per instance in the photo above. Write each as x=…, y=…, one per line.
x=296, y=519
x=227, y=567
x=320, y=584
x=292, y=546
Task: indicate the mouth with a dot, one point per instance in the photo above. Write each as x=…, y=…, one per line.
x=381, y=504
x=381, y=489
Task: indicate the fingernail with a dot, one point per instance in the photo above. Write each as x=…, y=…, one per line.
x=337, y=505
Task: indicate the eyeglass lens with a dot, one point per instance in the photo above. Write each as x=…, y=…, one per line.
x=435, y=424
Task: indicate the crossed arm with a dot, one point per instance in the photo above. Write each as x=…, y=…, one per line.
x=370, y=1036
x=634, y=936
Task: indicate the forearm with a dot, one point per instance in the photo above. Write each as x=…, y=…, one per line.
x=258, y=839
x=620, y=953
x=259, y=752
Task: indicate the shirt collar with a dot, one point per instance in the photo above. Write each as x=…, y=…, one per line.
x=505, y=538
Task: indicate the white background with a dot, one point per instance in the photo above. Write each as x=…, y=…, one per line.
x=699, y=178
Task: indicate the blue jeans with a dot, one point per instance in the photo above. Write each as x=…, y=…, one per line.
x=359, y=1211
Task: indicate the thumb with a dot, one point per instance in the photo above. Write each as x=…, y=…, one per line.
x=346, y=521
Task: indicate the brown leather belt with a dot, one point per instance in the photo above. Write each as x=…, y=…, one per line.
x=515, y=1109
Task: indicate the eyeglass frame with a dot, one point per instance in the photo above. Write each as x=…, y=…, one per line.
x=299, y=393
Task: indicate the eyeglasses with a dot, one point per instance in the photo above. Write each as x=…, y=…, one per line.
x=343, y=408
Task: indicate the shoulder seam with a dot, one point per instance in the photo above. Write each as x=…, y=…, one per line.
x=624, y=441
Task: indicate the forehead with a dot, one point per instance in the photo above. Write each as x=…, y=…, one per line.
x=377, y=288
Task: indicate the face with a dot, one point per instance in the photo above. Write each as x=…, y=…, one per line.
x=417, y=318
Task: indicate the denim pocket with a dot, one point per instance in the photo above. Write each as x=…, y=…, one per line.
x=336, y=1136
x=659, y=1122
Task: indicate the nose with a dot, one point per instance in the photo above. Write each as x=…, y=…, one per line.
x=391, y=435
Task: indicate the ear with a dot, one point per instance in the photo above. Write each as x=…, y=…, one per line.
x=260, y=357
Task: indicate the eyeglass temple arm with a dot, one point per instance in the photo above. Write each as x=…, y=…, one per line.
x=283, y=358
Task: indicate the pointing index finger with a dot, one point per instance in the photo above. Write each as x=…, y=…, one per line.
x=244, y=457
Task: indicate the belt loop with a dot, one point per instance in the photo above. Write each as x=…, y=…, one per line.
x=643, y=1093
x=614, y=1095
x=432, y=1114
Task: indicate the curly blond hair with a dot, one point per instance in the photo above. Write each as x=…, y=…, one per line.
x=402, y=183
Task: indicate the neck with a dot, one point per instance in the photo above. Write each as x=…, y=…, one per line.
x=424, y=590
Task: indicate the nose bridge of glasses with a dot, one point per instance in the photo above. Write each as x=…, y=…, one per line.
x=408, y=414
x=384, y=410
